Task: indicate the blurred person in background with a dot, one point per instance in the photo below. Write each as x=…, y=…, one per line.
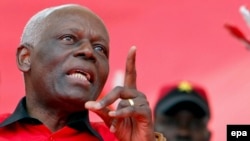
x=182, y=112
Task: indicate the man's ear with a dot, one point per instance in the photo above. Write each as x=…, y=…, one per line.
x=23, y=58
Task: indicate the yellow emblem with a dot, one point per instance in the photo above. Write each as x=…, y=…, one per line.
x=185, y=86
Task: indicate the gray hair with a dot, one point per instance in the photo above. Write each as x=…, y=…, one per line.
x=37, y=23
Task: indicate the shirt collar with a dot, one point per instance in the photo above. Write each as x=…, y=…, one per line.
x=79, y=121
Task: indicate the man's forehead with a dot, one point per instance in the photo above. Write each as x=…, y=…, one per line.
x=50, y=18
x=76, y=19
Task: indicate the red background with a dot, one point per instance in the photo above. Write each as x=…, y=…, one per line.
x=176, y=40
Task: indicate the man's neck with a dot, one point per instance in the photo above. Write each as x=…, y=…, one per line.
x=53, y=119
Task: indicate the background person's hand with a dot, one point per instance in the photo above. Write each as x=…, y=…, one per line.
x=131, y=121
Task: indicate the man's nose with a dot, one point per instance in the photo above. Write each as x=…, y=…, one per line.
x=86, y=51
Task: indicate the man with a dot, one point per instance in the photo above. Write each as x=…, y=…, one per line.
x=182, y=112
x=63, y=55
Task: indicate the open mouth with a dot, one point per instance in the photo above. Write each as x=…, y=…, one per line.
x=80, y=74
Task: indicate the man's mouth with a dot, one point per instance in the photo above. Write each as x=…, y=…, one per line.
x=80, y=74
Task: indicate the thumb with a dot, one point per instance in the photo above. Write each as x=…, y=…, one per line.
x=103, y=113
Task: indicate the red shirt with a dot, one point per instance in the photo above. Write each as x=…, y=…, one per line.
x=19, y=126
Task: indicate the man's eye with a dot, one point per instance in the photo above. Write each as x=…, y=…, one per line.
x=100, y=48
x=68, y=39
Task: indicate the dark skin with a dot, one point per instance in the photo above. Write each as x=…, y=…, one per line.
x=66, y=68
x=183, y=126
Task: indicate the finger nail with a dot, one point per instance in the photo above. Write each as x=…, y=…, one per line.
x=98, y=106
x=134, y=47
x=112, y=129
x=87, y=105
x=112, y=113
x=93, y=105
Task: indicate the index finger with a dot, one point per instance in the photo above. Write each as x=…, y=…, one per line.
x=130, y=74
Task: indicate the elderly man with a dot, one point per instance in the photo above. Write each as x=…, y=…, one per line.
x=64, y=56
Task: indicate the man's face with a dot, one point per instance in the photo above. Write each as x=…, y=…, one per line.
x=69, y=62
x=182, y=126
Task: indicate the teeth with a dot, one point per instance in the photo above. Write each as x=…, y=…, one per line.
x=78, y=76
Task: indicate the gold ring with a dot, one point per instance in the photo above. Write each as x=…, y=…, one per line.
x=131, y=102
